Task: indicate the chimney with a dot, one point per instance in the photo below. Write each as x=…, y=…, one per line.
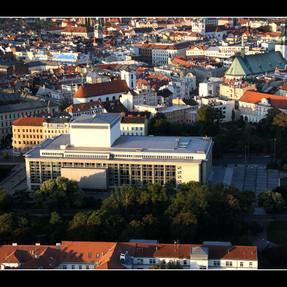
x=37, y=244
x=14, y=244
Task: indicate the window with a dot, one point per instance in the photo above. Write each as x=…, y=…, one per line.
x=216, y=263
x=87, y=267
x=250, y=264
x=80, y=266
x=64, y=266
x=228, y=263
x=184, y=261
x=202, y=267
x=73, y=266
x=241, y=264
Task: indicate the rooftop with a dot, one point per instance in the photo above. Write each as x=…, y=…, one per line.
x=99, y=89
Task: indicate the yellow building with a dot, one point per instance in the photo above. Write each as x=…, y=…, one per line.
x=234, y=90
x=31, y=131
x=27, y=132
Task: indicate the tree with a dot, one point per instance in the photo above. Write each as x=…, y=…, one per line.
x=55, y=218
x=184, y=227
x=280, y=120
x=272, y=202
x=59, y=193
x=5, y=200
x=247, y=200
x=206, y=114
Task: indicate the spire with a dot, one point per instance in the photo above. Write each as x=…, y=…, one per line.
x=242, y=46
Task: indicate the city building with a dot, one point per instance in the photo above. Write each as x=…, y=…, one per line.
x=11, y=112
x=31, y=131
x=225, y=108
x=254, y=106
x=105, y=91
x=254, y=65
x=107, y=159
x=134, y=124
x=210, y=87
x=234, y=89
x=136, y=254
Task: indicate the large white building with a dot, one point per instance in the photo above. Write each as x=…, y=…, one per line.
x=254, y=106
x=98, y=157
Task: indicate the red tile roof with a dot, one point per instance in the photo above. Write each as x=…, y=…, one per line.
x=31, y=121
x=253, y=97
x=234, y=252
x=99, y=89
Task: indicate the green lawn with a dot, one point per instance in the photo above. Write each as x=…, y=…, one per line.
x=277, y=232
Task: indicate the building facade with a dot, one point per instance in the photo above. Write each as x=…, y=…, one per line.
x=31, y=131
x=136, y=254
x=12, y=112
x=108, y=160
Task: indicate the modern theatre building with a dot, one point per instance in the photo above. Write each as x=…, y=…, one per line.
x=97, y=156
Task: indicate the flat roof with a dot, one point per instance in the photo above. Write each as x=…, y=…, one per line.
x=146, y=144
x=99, y=119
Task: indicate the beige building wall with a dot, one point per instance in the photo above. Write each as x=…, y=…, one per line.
x=234, y=92
x=25, y=137
x=51, y=130
x=119, y=172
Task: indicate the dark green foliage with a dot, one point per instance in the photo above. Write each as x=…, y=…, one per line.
x=59, y=193
x=272, y=202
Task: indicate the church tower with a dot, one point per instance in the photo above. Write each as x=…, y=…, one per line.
x=282, y=45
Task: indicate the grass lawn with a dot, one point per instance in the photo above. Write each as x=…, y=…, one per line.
x=277, y=232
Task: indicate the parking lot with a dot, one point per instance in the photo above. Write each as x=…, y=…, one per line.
x=253, y=177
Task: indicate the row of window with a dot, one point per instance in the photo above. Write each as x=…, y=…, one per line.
x=80, y=266
x=229, y=264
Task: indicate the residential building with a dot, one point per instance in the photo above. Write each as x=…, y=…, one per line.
x=254, y=106
x=31, y=131
x=11, y=112
x=136, y=254
x=225, y=108
x=108, y=160
x=95, y=107
x=234, y=89
x=210, y=87
x=134, y=124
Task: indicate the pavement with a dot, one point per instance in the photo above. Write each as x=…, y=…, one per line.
x=16, y=180
x=253, y=177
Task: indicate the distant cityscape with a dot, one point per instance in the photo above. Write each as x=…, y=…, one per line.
x=143, y=143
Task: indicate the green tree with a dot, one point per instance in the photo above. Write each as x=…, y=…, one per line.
x=59, y=193
x=272, y=202
x=5, y=200
x=184, y=227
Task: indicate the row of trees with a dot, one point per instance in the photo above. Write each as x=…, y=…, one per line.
x=190, y=213
x=268, y=136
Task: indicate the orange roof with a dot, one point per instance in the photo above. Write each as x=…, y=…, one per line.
x=31, y=121
x=99, y=89
x=88, y=252
x=283, y=87
x=254, y=97
x=234, y=252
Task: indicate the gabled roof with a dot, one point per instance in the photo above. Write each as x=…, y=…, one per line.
x=279, y=102
x=256, y=64
x=100, y=89
x=31, y=121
